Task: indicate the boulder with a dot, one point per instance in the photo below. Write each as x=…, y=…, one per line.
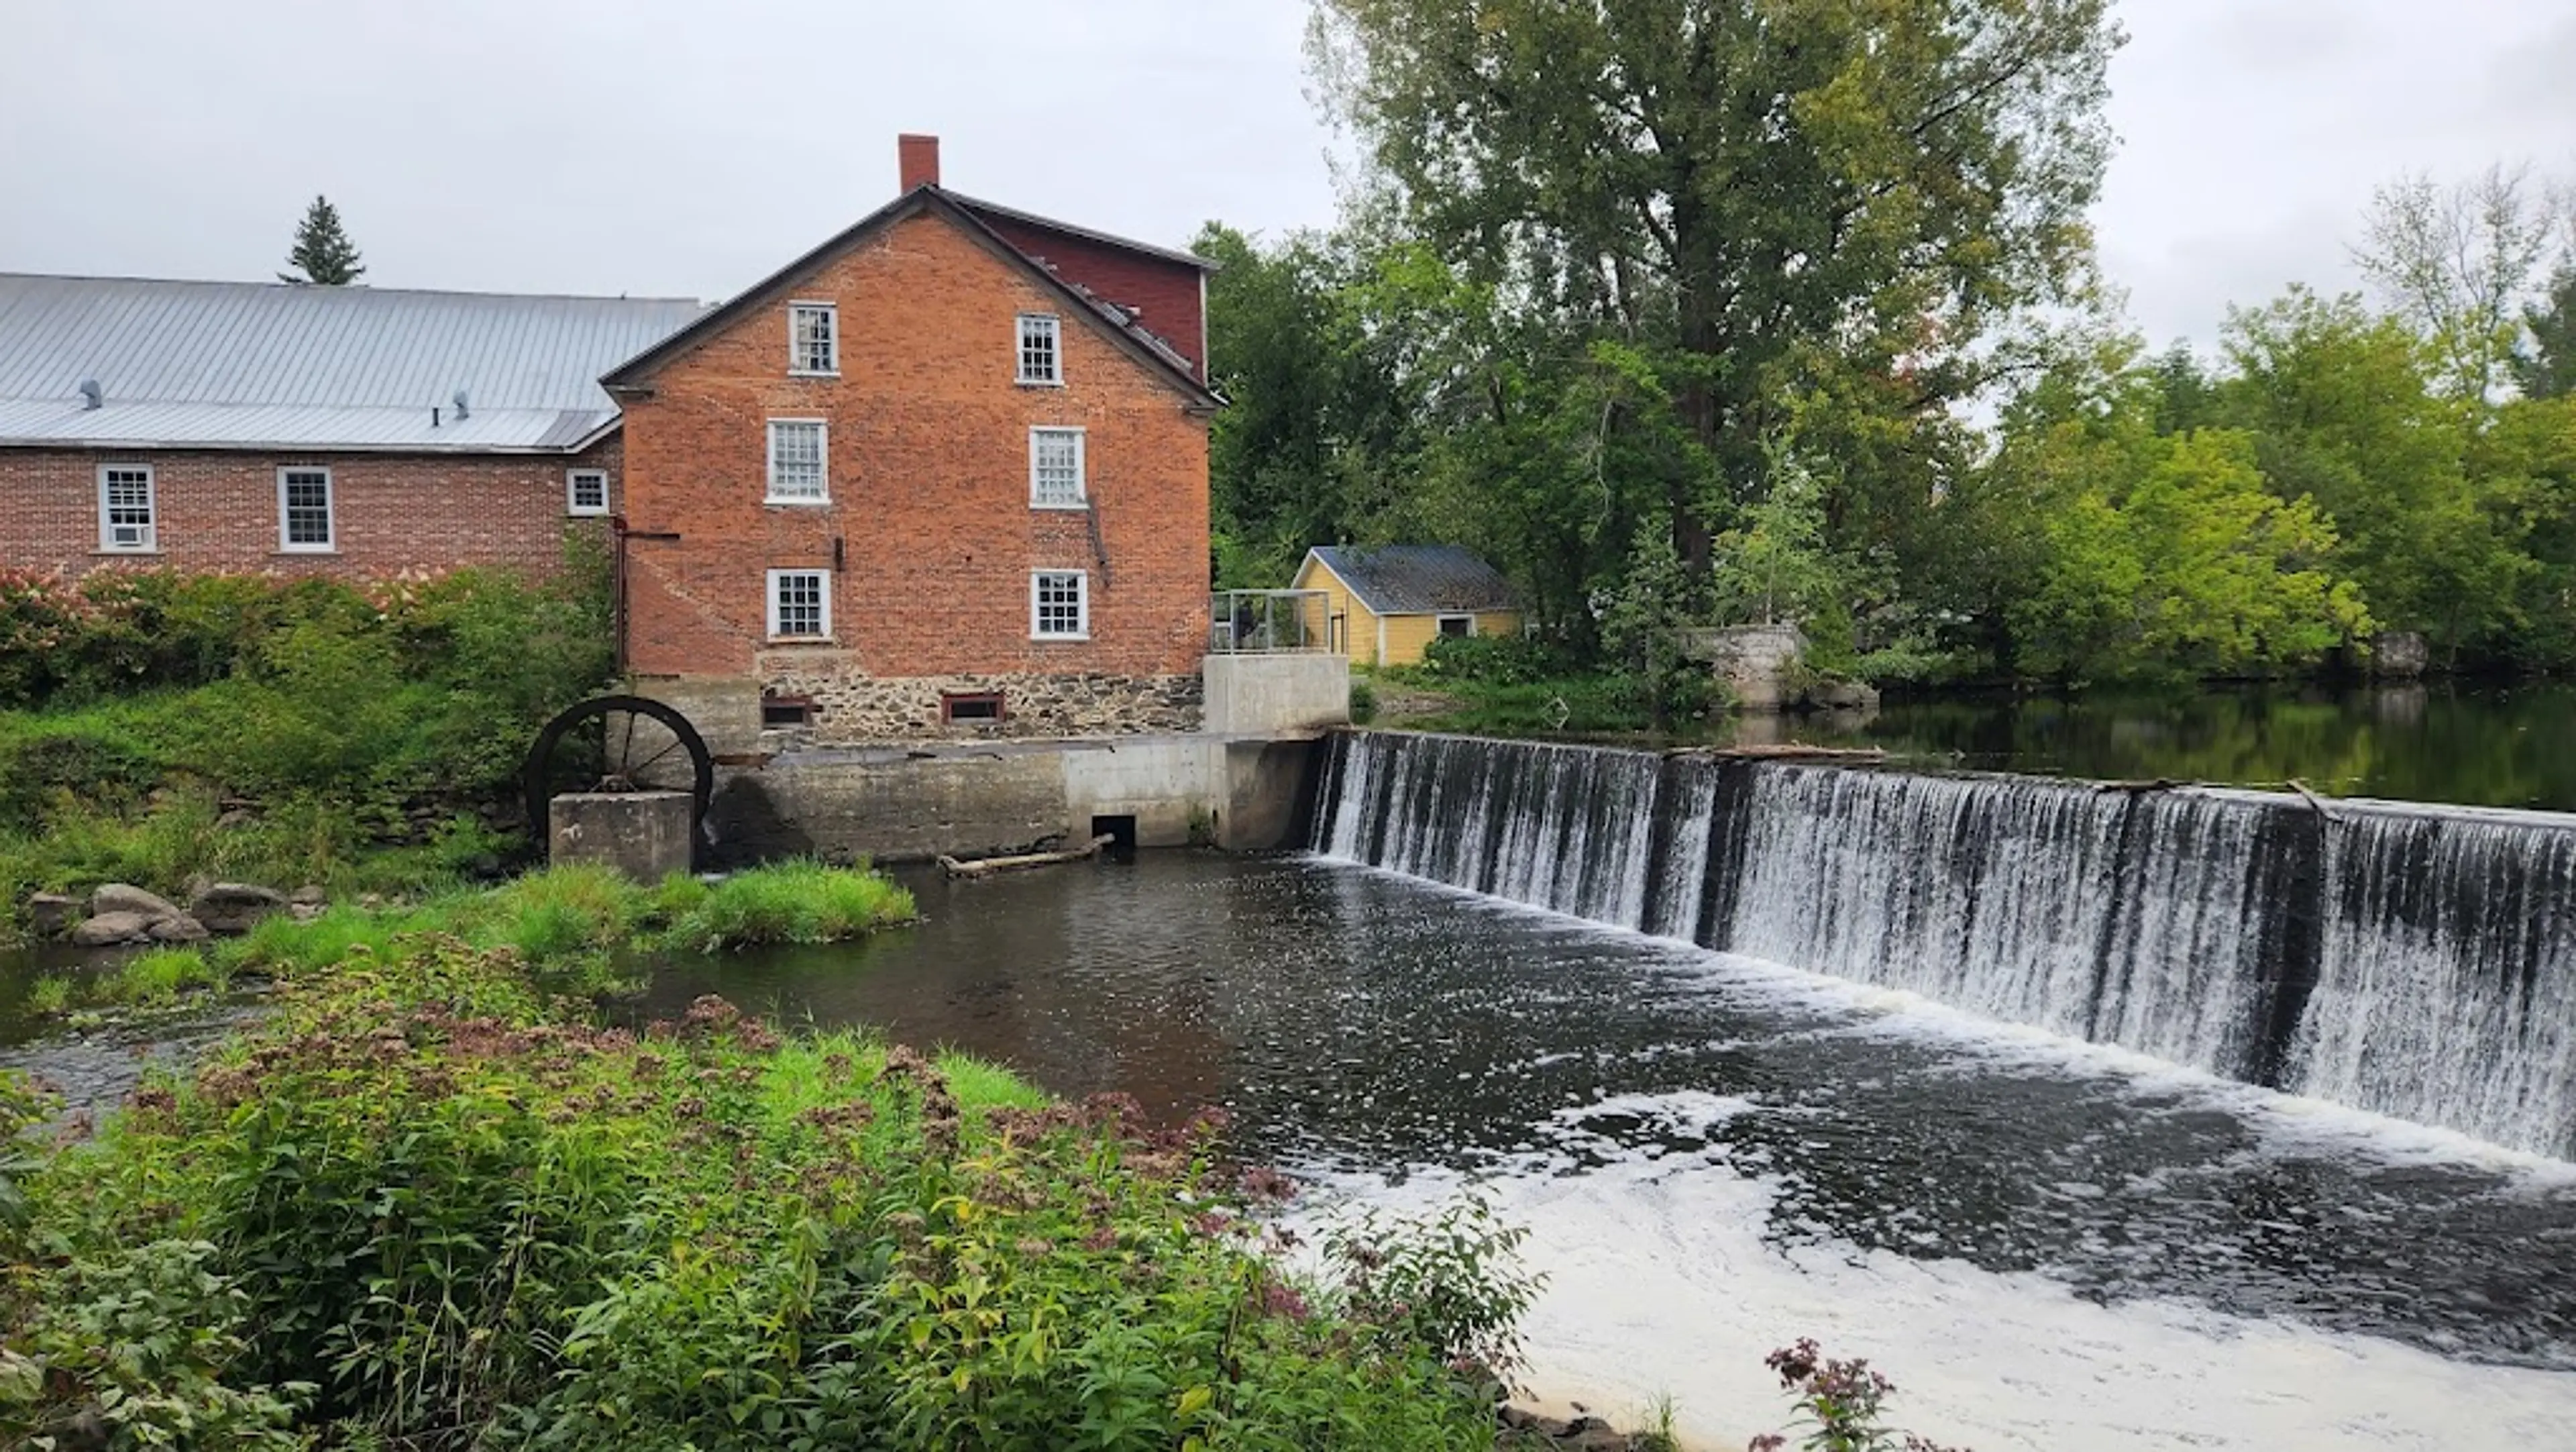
x=1842, y=696
x=118, y=897
x=108, y=929
x=51, y=912
x=305, y=912
x=309, y=895
x=181, y=929
x=2400, y=655
x=234, y=907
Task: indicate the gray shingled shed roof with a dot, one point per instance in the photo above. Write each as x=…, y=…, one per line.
x=261, y=365
x=1417, y=579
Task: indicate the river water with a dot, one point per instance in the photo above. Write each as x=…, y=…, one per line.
x=2476, y=744
x=2048, y=1244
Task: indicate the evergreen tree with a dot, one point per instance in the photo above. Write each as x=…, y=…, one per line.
x=323, y=255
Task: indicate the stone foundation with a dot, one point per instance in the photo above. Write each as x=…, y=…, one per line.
x=851, y=709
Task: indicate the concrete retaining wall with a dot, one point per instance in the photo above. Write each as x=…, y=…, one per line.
x=897, y=805
x=1266, y=695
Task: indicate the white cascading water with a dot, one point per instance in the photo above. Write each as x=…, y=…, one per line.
x=2414, y=962
x=1558, y=827
x=2447, y=990
x=2013, y=899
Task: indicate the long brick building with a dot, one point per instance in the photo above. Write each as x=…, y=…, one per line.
x=946, y=473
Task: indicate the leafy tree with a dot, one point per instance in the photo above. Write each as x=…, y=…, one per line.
x=1761, y=198
x=2547, y=368
x=323, y=255
x=2459, y=261
x=2346, y=412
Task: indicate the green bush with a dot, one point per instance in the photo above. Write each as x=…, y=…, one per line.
x=343, y=710
x=1495, y=660
x=418, y=1206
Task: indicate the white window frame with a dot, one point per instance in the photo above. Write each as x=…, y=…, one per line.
x=1081, y=469
x=823, y=580
x=1082, y=604
x=1440, y=623
x=823, y=453
x=572, y=492
x=151, y=542
x=1053, y=327
x=286, y=541
x=796, y=345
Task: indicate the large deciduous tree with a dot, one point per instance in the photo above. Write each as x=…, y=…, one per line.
x=2461, y=262
x=1834, y=201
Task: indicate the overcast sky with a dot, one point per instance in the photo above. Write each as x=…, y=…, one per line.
x=657, y=147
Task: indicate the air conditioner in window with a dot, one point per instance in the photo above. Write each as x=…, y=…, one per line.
x=130, y=536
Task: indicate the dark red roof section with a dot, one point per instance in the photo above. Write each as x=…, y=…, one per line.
x=1161, y=289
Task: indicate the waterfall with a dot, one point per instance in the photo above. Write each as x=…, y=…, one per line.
x=2413, y=962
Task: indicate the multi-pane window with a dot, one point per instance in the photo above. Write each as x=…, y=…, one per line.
x=304, y=509
x=1059, y=605
x=586, y=491
x=813, y=338
x=1055, y=468
x=1041, y=359
x=800, y=604
x=125, y=507
x=796, y=460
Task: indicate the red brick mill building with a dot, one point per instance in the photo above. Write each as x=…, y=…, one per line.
x=946, y=473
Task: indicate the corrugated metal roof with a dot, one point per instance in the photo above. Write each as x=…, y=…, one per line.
x=234, y=365
x=1417, y=579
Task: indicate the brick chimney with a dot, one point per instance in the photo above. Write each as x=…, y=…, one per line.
x=918, y=157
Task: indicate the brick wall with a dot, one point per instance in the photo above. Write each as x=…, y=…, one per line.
x=219, y=511
x=1166, y=295
x=929, y=482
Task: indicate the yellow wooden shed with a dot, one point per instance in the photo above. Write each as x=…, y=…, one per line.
x=1389, y=602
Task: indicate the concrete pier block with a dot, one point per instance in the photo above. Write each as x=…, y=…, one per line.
x=645, y=835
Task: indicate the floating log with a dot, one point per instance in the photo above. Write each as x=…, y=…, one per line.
x=2141, y=788
x=987, y=866
x=2315, y=802
x=1787, y=751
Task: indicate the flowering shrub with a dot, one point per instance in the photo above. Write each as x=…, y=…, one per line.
x=1840, y=1404
x=439, y=1210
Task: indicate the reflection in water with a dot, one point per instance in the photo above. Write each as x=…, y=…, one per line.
x=1356, y=1022
x=2498, y=746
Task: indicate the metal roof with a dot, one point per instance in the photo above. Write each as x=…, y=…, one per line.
x=237, y=365
x=1417, y=579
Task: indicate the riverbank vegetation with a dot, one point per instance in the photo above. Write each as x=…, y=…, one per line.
x=422, y=1204
x=156, y=726
x=1686, y=319
x=577, y=929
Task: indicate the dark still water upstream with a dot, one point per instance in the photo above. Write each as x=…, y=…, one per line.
x=2047, y=1243
x=2476, y=744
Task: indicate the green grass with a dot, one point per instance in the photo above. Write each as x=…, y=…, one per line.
x=158, y=976
x=49, y=995
x=800, y=901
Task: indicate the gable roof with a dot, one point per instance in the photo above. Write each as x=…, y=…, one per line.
x=1417, y=579
x=1112, y=321
x=983, y=208
x=257, y=365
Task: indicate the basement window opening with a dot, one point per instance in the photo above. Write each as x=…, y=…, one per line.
x=780, y=712
x=955, y=706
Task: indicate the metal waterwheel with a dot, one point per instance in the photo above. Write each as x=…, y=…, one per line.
x=618, y=744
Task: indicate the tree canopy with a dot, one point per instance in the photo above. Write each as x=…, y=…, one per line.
x=1725, y=311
